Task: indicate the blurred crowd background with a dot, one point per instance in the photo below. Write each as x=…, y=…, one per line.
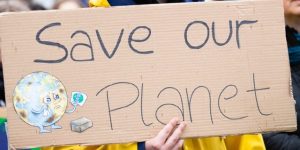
x=27, y=5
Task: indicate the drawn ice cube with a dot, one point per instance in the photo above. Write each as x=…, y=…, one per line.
x=81, y=124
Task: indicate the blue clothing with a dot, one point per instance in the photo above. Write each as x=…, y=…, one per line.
x=141, y=146
x=289, y=141
x=121, y=2
x=136, y=2
x=294, y=54
x=85, y=3
x=295, y=71
x=3, y=136
x=293, y=40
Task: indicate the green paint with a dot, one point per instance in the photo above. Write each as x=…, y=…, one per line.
x=2, y=120
x=2, y=125
x=78, y=97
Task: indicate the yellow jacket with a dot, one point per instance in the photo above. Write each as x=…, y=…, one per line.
x=242, y=142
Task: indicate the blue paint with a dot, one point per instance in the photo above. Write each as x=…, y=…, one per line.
x=3, y=136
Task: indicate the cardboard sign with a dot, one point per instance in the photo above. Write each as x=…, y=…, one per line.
x=97, y=76
x=3, y=112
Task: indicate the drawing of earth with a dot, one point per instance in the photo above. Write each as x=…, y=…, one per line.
x=40, y=100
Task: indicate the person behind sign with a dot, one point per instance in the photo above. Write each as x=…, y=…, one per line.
x=67, y=4
x=166, y=139
x=290, y=141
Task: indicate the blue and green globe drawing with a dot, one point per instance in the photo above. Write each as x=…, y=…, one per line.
x=40, y=100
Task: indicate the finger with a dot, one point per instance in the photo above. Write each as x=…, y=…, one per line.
x=179, y=145
x=167, y=130
x=175, y=136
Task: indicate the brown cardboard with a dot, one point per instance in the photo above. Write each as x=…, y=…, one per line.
x=162, y=77
x=3, y=112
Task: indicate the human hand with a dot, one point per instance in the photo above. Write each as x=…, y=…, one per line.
x=168, y=138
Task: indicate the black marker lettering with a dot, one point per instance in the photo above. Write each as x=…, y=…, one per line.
x=90, y=46
x=190, y=101
x=214, y=34
x=109, y=110
x=142, y=115
x=108, y=102
x=186, y=35
x=238, y=25
x=104, y=48
x=131, y=39
x=255, y=95
x=228, y=98
x=55, y=44
x=169, y=104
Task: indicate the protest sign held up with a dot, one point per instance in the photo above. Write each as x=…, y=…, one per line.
x=98, y=76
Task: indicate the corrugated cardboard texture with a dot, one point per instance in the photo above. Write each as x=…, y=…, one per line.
x=175, y=79
x=3, y=112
